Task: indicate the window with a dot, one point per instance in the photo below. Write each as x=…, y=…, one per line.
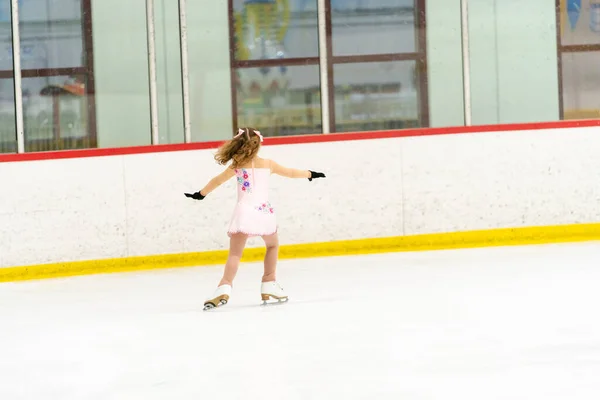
x=377, y=59
x=57, y=75
x=579, y=58
x=275, y=66
x=376, y=65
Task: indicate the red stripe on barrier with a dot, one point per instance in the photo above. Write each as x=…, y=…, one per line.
x=301, y=139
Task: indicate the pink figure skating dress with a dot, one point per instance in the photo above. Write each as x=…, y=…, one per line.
x=253, y=214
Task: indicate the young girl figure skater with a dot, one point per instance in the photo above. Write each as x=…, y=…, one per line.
x=253, y=214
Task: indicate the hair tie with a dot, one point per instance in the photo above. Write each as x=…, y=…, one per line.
x=247, y=132
x=240, y=132
x=259, y=135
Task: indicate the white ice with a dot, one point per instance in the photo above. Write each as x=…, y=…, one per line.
x=484, y=324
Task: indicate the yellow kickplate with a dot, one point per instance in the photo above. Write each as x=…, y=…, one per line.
x=436, y=241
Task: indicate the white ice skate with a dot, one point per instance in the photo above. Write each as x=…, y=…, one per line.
x=272, y=290
x=219, y=298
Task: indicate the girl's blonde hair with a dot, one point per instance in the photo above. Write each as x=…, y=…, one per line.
x=240, y=150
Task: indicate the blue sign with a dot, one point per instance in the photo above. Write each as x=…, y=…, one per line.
x=573, y=11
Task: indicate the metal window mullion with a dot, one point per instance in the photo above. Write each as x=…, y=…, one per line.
x=466, y=60
x=323, y=65
x=151, y=37
x=16, y=53
x=185, y=82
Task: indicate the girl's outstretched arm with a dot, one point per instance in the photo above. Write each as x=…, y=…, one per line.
x=289, y=172
x=212, y=184
x=217, y=181
x=294, y=173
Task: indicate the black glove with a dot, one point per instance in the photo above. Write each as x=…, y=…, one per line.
x=315, y=175
x=195, y=196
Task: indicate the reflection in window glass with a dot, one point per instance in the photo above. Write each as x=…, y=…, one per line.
x=376, y=95
x=55, y=108
x=363, y=27
x=55, y=113
x=8, y=132
x=279, y=100
x=580, y=23
x=271, y=29
x=51, y=34
x=581, y=85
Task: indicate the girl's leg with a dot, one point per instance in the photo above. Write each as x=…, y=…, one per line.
x=272, y=244
x=237, y=242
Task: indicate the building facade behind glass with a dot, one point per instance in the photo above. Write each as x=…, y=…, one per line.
x=370, y=65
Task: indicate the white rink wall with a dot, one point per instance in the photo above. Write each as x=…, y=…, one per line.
x=132, y=205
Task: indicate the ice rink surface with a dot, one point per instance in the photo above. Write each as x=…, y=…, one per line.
x=500, y=323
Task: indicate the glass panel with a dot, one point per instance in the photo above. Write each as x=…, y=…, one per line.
x=168, y=72
x=54, y=107
x=280, y=100
x=122, y=98
x=8, y=131
x=376, y=95
x=51, y=34
x=580, y=22
x=271, y=29
x=513, y=71
x=373, y=27
x=581, y=85
x=209, y=72
x=444, y=64
x=55, y=113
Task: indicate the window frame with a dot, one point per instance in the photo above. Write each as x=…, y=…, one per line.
x=419, y=57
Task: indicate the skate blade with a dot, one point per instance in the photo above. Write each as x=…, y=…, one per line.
x=276, y=301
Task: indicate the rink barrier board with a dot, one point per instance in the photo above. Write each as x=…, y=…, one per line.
x=301, y=139
x=425, y=242
x=168, y=260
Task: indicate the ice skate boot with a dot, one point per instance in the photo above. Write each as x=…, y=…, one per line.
x=272, y=290
x=219, y=298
